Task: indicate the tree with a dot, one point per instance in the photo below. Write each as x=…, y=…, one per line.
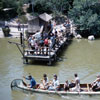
x=52, y=6
x=20, y=9
x=86, y=15
x=6, y=14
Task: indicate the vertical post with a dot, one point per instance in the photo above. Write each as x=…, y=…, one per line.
x=23, y=43
x=23, y=37
x=33, y=6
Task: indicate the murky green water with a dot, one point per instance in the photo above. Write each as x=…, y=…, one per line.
x=82, y=57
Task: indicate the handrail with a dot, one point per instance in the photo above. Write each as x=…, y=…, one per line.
x=43, y=50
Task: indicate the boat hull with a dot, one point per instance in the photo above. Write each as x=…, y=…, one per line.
x=18, y=83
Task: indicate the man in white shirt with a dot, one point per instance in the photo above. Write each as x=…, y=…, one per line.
x=77, y=84
x=55, y=84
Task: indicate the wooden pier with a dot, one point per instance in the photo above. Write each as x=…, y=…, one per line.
x=46, y=54
x=51, y=55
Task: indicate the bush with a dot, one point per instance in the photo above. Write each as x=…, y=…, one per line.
x=6, y=31
x=23, y=19
x=86, y=15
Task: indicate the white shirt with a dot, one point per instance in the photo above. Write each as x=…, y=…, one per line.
x=32, y=42
x=47, y=81
x=98, y=84
x=55, y=83
x=77, y=80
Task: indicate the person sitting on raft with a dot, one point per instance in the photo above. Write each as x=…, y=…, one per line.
x=44, y=82
x=66, y=86
x=32, y=81
x=55, y=84
x=41, y=86
x=72, y=84
x=96, y=84
x=77, y=84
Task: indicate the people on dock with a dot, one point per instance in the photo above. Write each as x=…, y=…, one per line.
x=96, y=84
x=19, y=26
x=32, y=81
x=47, y=42
x=33, y=41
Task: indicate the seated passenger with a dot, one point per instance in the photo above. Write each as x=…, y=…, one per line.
x=55, y=84
x=98, y=76
x=66, y=86
x=50, y=84
x=72, y=84
x=96, y=85
x=32, y=81
x=45, y=81
x=41, y=86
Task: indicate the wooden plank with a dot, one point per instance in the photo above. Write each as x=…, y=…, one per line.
x=36, y=56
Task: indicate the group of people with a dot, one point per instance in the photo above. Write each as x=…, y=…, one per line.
x=54, y=84
x=46, y=41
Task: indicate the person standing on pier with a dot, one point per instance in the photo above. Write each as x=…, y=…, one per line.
x=19, y=26
x=46, y=43
x=33, y=43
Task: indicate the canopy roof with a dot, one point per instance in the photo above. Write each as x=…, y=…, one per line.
x=45, y=17
x=30, y=17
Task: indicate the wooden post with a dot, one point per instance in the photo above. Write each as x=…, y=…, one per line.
x=21, y=41
x=23, y=44
x=50, y=62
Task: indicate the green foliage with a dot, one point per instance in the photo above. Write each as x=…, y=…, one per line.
x=11, y=5
x=23, y=19
x=20, y=9
x=40, y=6
x=51, y=6
x=86, y=15
x=14, y=8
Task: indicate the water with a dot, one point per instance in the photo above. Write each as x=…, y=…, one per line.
x=81, y=56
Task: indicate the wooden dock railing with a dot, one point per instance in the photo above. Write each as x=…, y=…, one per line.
x=43, y=51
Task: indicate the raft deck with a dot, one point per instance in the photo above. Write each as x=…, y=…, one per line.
x=50, y=56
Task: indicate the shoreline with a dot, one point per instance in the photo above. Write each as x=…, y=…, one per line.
x=14, y=33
